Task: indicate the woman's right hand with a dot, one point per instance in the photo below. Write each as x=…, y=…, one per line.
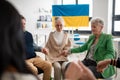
x=63, y=53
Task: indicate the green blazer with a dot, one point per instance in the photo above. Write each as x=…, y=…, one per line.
x=104, y=50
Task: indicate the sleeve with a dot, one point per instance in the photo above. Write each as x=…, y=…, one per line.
x=36, y=47
x=48, y=42
x=68, y=45
x=110, y=52
x=79, y=49
x=83, y=47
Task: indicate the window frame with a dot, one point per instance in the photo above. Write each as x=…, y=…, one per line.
x=115, y=18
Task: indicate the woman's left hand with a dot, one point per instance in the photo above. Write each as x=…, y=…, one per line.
x=102, y=65
x=45, y=51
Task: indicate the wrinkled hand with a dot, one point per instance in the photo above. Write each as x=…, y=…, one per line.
x=45, y=51
x=102, y=65
x=63, y=53
x=77, y=71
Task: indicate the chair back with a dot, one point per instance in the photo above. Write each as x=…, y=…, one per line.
x=77, y=39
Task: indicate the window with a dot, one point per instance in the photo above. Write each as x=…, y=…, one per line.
x=116, y=18
x=69, y=1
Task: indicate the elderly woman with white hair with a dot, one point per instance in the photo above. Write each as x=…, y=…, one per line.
x=99, y=47
x=57, y=42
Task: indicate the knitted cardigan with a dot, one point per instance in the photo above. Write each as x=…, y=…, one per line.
x=55, y=49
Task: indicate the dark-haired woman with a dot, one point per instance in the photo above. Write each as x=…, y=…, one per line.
x=12, y=66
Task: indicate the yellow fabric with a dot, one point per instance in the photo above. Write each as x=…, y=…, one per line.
x=75, y=21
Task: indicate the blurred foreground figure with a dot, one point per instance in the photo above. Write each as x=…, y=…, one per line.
x=77, y=71
x=12, y=66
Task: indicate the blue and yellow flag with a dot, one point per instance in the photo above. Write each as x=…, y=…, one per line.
x=73, y=15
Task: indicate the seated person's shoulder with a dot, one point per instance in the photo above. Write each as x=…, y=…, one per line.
x=91, y=36
x=66, y=33
x=51, y=33
x=27, y=32
x=108, y=35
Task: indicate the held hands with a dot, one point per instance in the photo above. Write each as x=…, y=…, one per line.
x=102, y=65
x=77, y=71
x=63, y=53
x=45, y=51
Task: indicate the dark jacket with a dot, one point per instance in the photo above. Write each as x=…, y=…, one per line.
x=30, y=46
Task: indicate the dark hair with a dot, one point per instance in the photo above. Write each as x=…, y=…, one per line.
x=22, y=17
x=11, y=42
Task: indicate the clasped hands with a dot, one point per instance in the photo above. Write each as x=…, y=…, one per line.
x=45, y=51
x=101, y=66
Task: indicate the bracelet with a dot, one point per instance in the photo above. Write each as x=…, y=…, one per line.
x=114, y=62
x=111, y=62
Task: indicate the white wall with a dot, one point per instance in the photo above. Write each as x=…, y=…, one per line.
x=103, y=9
x=110, y=9
x=30, y=10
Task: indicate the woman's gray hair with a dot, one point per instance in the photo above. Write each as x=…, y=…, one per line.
x=59, y=18
x=97, y=21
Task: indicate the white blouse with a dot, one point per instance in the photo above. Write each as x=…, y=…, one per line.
x=58, y=36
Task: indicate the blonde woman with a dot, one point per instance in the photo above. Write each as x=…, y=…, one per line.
x=57, y=42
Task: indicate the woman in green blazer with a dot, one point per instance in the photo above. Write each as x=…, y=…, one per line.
x=99, y=47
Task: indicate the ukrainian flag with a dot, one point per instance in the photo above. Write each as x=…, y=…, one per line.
x=73, y=15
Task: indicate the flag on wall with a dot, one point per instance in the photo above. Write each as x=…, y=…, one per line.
x=73, y=15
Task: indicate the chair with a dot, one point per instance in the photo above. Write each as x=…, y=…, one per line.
x=77, y=39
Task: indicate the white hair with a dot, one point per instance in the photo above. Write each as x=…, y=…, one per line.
x=97, y=21
x=59, y=18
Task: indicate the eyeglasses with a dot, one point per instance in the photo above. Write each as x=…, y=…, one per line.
x=59, y=25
